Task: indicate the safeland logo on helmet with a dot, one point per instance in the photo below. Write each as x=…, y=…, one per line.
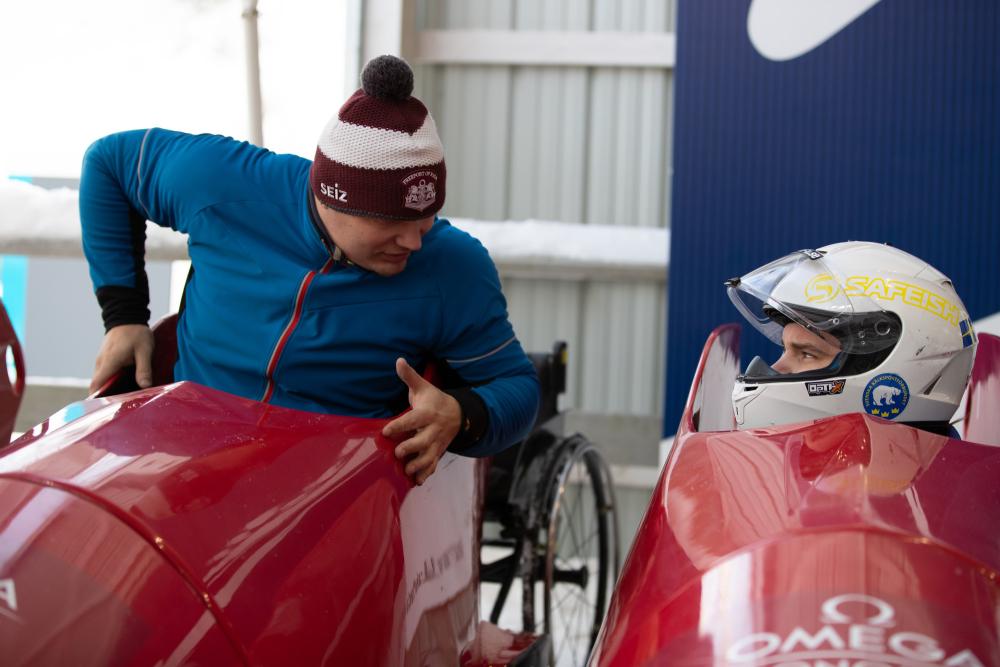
x=421, y=192
x=824, y=288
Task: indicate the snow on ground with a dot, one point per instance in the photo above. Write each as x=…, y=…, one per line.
x=33, y=219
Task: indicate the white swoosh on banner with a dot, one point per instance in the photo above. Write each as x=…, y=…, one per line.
x=786, y=29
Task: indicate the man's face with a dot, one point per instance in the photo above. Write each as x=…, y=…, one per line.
x=379, y=245
x=805, y=350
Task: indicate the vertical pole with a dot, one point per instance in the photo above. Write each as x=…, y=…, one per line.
x=388, y=27
x=353, y=40
x=253, y=72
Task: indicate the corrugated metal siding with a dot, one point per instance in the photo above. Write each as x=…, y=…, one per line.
x=546, y=311
x=576, y=144
x=623, y=15
x=571, y=144
x=615, y=332
x=548, y=144
x=623, y=337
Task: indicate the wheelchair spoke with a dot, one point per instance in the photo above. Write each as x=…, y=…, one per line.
x=560, y=603
x=574, y=613
x=589, y=542
x=565, y=564
x=581, y=595
x=571, y=529
x=583, y=611
x=566, y=637
x=576, y=565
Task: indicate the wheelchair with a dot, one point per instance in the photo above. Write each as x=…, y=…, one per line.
x=550, y=524
x=549, y=516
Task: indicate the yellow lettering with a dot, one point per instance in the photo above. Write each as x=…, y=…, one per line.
x=877, y=289
x=821, y=289
x=897, y=289
x=936, y=304
x=856, y=286
x=915, y=296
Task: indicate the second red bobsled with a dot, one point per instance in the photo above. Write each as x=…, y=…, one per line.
x=848, y=541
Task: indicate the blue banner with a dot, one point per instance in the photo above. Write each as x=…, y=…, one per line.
x=800, y=123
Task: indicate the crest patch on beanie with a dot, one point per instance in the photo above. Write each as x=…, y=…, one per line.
x=421, y=192
x=383, y=148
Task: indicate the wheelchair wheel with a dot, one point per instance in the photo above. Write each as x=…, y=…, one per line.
x=575, y=562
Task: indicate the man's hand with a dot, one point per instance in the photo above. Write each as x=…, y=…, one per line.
x=125, y=345
x=427, y=429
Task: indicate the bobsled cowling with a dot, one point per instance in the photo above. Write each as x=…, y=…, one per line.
x=182, y=525
x=849, y=540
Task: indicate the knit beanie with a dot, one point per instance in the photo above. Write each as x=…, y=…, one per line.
x=381, y=156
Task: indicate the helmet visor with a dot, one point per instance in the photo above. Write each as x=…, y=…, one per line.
x=801, y=288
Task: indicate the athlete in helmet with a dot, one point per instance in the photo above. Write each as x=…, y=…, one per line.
x=864, y=327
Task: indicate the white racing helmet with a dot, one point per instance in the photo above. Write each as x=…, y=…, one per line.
x=906, y=342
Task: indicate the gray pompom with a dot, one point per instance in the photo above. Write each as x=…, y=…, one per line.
x=388, y=78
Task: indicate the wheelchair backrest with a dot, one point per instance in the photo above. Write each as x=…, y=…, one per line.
x=551, y=370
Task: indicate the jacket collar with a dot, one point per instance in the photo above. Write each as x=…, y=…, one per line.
x=324, y=236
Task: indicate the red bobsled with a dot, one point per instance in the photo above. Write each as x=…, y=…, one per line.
x=183, y=526
x=845, y=542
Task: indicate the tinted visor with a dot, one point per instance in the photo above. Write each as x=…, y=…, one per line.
x=803, y=289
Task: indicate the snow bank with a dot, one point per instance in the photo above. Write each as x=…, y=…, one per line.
x=34, y=220
x=540, y=242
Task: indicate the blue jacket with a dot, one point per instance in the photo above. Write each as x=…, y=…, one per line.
x=269, y=315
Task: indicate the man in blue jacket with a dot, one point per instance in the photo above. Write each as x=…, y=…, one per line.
x=317, y=286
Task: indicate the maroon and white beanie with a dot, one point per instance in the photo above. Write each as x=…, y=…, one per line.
x=381, y=156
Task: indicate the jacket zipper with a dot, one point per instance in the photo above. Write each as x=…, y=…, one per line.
x=300, y=298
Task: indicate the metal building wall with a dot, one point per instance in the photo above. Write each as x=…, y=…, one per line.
x=574, y=143
x=615, y=333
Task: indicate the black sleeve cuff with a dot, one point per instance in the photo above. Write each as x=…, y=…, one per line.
x=475, y=418
x=123, y=305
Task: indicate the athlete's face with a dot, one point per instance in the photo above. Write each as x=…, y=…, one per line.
x=804, y=350
x=379, y=245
